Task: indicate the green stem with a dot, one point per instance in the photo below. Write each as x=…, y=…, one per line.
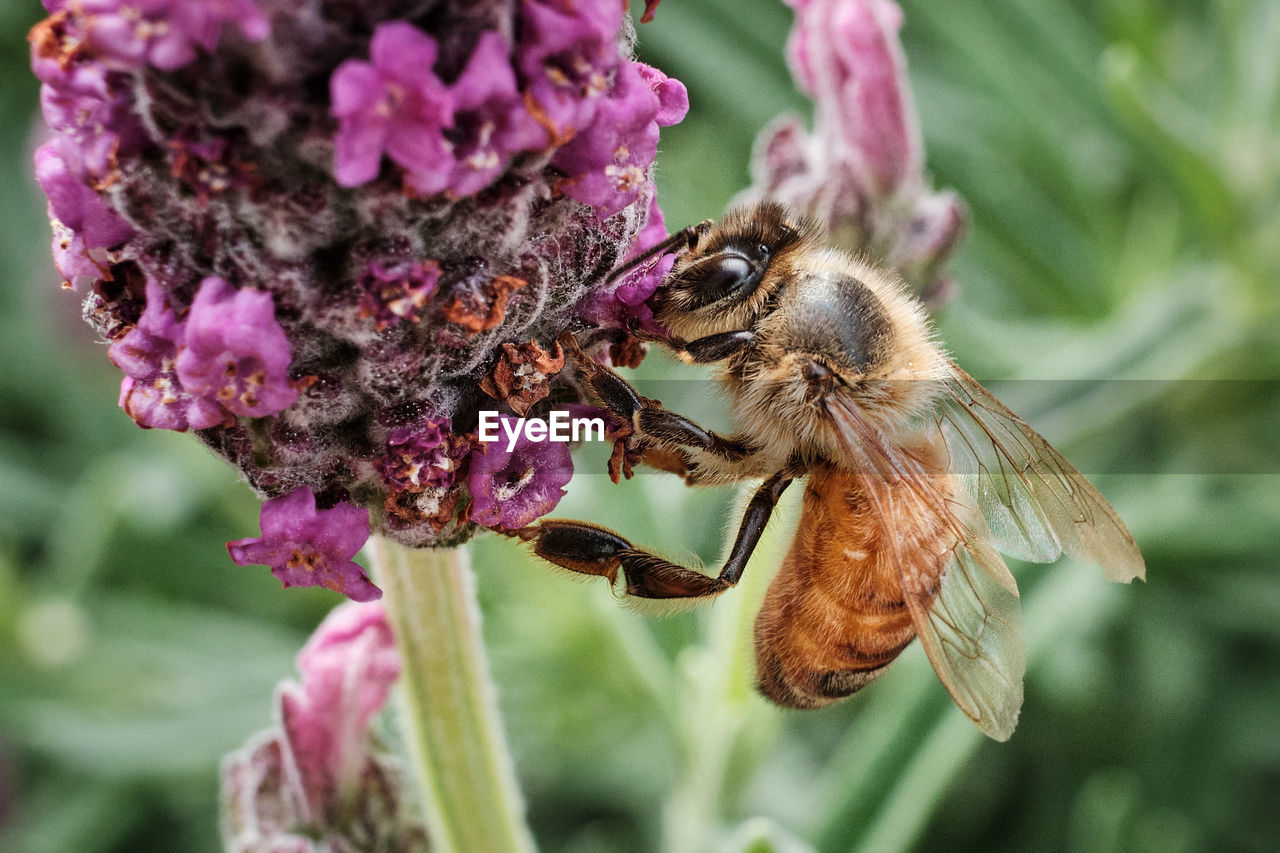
x=449, y=709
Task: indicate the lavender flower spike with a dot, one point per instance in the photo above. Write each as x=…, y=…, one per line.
x=312, y=782
x=309, y=547
x=314, y=277
x=861, y=171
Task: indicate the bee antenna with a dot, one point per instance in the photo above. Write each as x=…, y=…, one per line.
x=689, y=236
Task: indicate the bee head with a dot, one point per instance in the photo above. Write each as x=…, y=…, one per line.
x=724, y=281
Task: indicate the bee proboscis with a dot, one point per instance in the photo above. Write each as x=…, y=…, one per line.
x=916, y=476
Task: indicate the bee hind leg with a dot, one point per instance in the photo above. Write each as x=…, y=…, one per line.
x=593, y=550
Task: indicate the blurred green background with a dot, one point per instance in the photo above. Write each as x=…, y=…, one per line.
x=1121, y=161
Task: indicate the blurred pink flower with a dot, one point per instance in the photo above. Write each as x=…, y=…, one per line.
x=861, y=171
x=312, y=781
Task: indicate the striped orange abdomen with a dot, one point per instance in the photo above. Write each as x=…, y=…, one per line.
x=834, y=616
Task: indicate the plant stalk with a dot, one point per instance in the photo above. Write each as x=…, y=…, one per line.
x=448, y=702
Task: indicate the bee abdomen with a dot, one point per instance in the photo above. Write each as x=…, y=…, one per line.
x=836, y=615
x=803, y=687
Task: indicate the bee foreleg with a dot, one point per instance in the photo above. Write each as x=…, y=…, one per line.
x=718, y=347
x=664, y=427
x=670, y=428
x=592, y=550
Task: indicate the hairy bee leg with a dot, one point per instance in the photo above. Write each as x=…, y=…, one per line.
x=622, y=399
x=660, y=424
x=593, y=550
x=670, y=428
x=717, y=347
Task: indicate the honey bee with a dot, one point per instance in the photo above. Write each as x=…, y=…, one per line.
x=916, y=476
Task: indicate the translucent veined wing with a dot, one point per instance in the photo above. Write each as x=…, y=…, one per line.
x=967, y=617
x=1036, y=504
x=972, y=632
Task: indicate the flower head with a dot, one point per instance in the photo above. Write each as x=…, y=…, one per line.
x=512, y=488
x=305, y=546
x=334, y=273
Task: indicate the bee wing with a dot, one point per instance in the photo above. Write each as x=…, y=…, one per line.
x=1035, y=503
x=970, y=625
x=972, y=632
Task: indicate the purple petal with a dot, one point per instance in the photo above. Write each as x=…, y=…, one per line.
x=309, y=547
x=673, y=97
x=513, y=489
x=355, y=86
x=75, y=204
x=402, y=51
x=488, y=74
x=236, y=352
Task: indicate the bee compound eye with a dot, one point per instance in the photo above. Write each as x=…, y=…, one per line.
x=730, y=274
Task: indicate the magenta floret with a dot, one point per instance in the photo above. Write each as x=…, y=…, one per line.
x=490, y=122
x=397, y=291
x=395, y=105
x=90, y=224
x=424, y=455
x=163, y=33
x=511, y=489
x=566, y=55
x=236, y=352
x=305, y=546
x=151, y=393
x=608, y=164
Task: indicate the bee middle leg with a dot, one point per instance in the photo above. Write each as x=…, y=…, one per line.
x=593, y=550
